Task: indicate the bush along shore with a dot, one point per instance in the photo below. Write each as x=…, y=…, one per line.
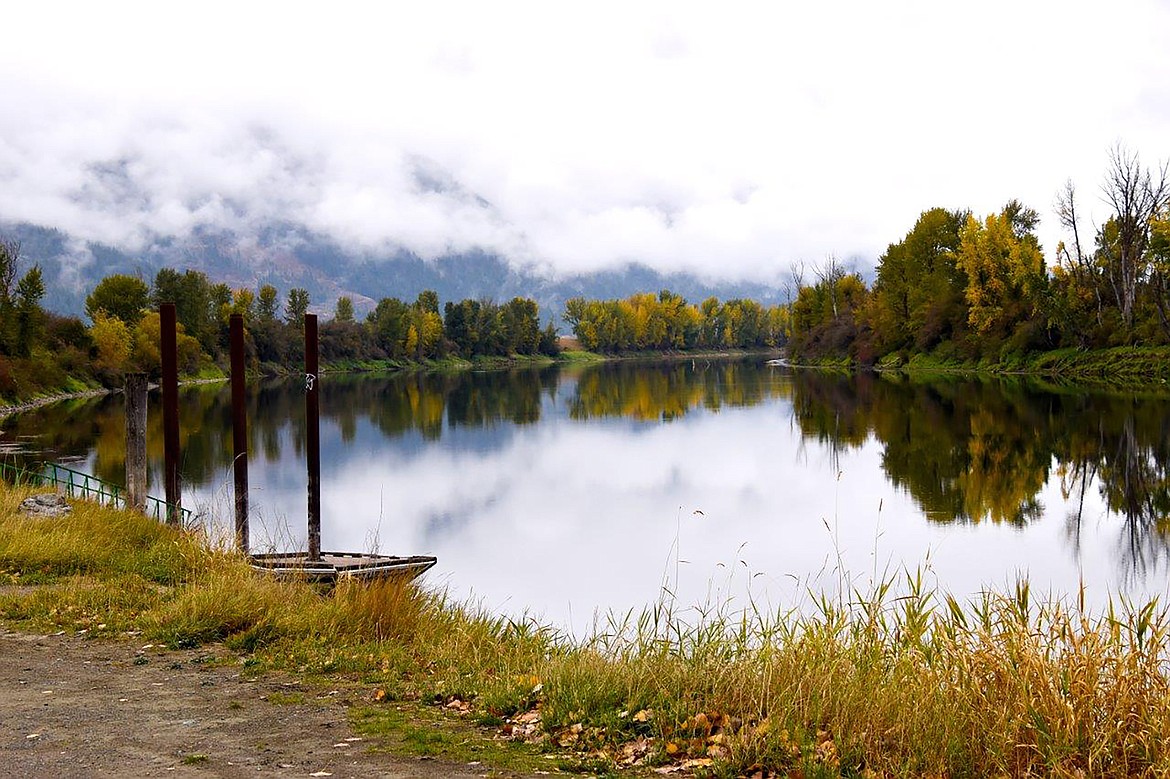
x=897, y=681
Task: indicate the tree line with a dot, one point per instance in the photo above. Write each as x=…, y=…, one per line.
x=394, y=330
x=41, y=351
x=964, y=287
x=666, y=322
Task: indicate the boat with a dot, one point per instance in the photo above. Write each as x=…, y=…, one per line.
x=336, y=566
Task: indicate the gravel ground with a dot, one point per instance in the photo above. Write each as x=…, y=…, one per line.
x=77, y=708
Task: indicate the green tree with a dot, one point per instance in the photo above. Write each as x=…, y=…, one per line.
x=459, y=326
x=389, y=322
x=197, y=306
x=344, y=310
x=267, y=303
x=1160, y=265
x=521, y=325
x=29, y=316
x=295, y=307
x=918, y=296
x=428, y=300
x=120, y=296
x=244, y=304
x=549, y=341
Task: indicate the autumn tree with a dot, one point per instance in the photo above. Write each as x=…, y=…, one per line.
x=824, y=317
x=425, y=330
x=1004, y=266
x=146, y=347
x=112, y=340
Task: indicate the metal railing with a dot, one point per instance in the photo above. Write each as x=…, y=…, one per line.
x=76, y=484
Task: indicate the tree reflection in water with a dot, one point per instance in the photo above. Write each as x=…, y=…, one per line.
x=967, y=451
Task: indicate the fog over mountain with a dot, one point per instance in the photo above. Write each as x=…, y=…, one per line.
x=371, y=148
x=286, y=256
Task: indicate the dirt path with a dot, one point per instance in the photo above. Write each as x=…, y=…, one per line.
x=77, y=708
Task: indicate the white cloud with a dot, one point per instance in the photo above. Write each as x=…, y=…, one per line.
x=730, y=141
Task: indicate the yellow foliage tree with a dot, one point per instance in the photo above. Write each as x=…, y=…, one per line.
x=111, y=336
x=1005, y=273
x=146, y=350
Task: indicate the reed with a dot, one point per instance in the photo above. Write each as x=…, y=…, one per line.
x=897, y=680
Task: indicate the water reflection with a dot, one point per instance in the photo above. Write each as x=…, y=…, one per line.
x=550, y=487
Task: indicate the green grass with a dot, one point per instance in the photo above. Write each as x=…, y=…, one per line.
x=1123, y=367
x=897, y=681
x=576, y=355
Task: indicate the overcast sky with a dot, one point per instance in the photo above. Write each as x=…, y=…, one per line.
x=732, y=139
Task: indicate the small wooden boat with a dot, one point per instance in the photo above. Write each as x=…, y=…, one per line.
x=334, y=566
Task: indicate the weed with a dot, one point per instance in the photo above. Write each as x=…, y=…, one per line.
x=895, y=680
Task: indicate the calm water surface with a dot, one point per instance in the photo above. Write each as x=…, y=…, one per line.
x=567, y=492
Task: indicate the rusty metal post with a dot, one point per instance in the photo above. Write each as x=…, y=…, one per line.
x=313, y=435
x=239, y=431
x=135, y=392
x=170, y=388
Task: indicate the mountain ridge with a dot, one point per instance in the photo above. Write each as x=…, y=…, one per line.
x=287, y=257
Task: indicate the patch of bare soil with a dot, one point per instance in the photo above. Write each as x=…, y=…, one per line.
x=78, y=708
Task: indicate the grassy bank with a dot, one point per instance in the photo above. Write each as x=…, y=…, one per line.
x=1139, y=367
x=909, y=685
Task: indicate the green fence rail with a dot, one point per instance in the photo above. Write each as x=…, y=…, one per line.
x=76, y=484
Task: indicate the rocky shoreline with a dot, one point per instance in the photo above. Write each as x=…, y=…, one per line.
x=18, y=408
x=7, y=411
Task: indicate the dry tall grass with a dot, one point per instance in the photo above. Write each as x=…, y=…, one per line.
x=875, y=685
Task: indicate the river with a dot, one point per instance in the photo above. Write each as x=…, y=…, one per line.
x=569, y=493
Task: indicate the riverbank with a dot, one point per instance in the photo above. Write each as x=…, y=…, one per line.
x=1123, y=367
x=898, y=681
x=444, y=365
x=44, y=400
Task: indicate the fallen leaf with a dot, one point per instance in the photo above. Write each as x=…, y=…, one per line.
x=701, y=762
